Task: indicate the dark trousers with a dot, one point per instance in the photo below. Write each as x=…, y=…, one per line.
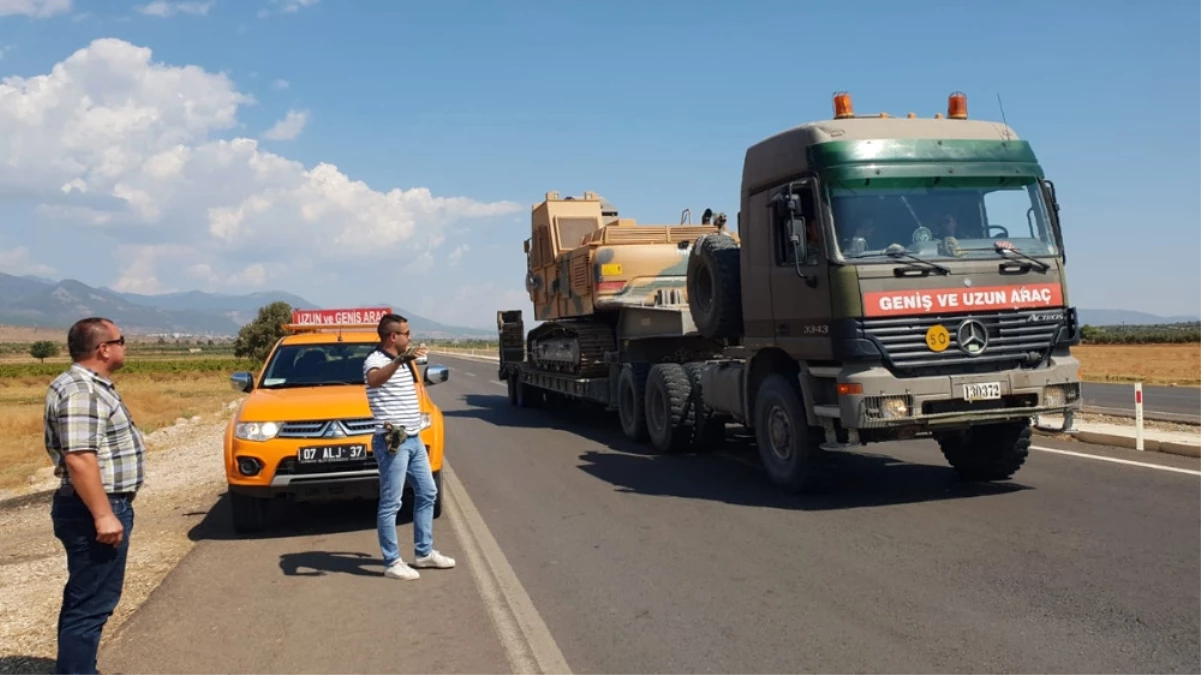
x=96, y=577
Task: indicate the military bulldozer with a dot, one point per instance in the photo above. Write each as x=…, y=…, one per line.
x=595, y=278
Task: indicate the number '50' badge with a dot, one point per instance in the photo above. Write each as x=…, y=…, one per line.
x=937, y=338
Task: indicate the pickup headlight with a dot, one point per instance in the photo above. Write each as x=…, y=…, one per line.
x=256, y=431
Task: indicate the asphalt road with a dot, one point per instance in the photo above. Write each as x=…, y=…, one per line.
x=639, y=563
x=1177, y=402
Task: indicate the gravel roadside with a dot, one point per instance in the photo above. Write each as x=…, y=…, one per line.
x=184, y=478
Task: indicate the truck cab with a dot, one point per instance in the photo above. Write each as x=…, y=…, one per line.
x=897, y=277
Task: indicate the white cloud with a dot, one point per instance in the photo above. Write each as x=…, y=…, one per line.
x=281, y=84
x=164, y=9
x=457, y=255
x=287, y=7
x=17, y=261
x=37, y=9
x=289, y=127
x=147, y=154
x=294, y=5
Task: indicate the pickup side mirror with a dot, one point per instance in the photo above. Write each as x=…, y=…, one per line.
x=435, y=374
x=242, y=381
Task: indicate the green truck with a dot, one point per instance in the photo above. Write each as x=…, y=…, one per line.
x=891, y=278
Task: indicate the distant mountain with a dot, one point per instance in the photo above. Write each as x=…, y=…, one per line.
x=241, y=309
x=1116, y=317
x=33, y=301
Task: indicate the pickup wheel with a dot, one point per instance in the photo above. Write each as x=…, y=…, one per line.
x=438, y=499
x=631, y=400
x=789, y=448
x=988, y=452
x=250, y=514
x=669, y=414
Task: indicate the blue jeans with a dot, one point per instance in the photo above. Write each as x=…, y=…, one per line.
x=96, y=577
x=410, y=461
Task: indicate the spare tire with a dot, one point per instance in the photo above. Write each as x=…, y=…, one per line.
x=715, y=286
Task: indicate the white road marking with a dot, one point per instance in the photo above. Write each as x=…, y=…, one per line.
x=527, y=641
x=1191, y=472
x=468, y=372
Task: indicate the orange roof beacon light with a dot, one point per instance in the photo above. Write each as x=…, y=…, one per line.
x=842, y=105
x=957, y=106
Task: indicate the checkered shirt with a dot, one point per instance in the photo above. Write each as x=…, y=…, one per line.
x=85, y=413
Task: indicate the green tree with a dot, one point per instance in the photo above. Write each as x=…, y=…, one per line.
x=256, y=338
x=43, y=349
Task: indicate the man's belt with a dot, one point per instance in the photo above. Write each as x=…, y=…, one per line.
x=68, y=490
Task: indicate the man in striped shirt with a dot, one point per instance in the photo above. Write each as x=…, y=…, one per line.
x=391, y=381
x=99, y=454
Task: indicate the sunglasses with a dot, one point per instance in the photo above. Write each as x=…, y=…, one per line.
x=118, y=341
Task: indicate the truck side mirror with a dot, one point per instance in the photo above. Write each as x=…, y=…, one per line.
x=525, y=246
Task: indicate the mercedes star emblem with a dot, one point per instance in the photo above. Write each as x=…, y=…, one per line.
x=972, y=336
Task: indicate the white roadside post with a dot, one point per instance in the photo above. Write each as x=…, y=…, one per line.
x=1138, y=415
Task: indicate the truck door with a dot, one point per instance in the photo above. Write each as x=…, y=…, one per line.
x=799, y=285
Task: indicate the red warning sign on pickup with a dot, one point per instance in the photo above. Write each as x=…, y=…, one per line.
x=335, y=317
x=961, y=300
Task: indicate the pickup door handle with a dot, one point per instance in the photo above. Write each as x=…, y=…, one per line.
x=782, y=328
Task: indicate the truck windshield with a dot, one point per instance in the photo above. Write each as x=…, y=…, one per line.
x=940, y=218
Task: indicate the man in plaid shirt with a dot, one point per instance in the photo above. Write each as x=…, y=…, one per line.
x=100, y=456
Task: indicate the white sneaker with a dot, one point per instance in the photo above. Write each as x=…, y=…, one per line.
x=399, y=570
x=434, y=559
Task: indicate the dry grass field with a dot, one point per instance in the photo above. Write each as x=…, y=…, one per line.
x=1153, y=365
x=155, y=399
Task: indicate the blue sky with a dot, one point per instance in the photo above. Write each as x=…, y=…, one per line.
x=488, y=105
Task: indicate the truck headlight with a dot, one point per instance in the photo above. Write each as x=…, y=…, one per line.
x=256, y=431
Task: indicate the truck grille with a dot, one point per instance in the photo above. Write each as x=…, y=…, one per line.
x=327, y=428
x=1015, y=339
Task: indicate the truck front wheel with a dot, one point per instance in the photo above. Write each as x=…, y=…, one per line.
x=789, y=449
x=988, y=452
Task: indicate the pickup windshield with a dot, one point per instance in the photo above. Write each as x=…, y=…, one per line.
x=316, y=365
x=940, y=218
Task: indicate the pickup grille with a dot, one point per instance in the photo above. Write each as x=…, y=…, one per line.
x=327, y=428
x=1021, y=339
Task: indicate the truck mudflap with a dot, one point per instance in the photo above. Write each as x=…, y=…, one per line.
x=879, y=400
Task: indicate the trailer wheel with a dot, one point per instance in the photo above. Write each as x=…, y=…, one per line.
x=631, y=400
x=715, y=286
x=670, y=414
x=788, y=447
x=512, y=382
x=526, y=395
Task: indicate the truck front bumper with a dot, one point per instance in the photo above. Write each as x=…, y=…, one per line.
x=880, y=400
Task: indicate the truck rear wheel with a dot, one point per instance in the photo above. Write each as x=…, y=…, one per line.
x=715, y=286
x=631, y=400
x=709, y=430
x=789, y=448
x=669, y=408
x=988, y=452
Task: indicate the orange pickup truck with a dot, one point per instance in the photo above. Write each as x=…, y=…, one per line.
x=304, y=431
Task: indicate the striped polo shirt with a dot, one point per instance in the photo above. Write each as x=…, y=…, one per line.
x=84, y=413
x=396, y=401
